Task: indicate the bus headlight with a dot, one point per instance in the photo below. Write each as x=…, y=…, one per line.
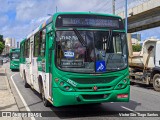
x=64, y=85
x=122, y=84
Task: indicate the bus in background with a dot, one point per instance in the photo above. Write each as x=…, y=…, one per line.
x=77, y=58
x=14, y=58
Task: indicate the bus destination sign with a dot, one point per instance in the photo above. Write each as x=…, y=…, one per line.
x=89, y=21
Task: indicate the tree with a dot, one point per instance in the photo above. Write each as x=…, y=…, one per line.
x=1, y=44
x=136, y=48
x=1, y=39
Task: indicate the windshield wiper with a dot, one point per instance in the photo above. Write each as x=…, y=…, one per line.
x=109, y=39
x=82, y=41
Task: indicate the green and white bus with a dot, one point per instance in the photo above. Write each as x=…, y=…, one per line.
x=14, y=58
x=77, y=58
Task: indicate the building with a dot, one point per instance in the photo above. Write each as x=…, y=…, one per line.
x=135, y=41
x=9, y=44
x=136, y=38
x=18, y=44
x=6, y=50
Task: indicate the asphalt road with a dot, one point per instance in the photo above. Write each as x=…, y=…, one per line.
x=143, y=98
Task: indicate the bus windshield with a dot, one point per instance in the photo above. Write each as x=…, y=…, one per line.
x=15, y=55
x=91, y=51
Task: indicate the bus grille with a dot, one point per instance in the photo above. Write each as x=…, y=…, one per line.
x=100, y=80
x=90, y=89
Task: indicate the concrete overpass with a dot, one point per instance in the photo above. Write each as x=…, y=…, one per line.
x=143, y=16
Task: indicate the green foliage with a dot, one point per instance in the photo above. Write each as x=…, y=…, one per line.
x=1, y=44
x=1, y=39
x=1, y=47
x=136, y=48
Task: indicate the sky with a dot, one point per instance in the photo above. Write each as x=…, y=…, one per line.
x=18, y=18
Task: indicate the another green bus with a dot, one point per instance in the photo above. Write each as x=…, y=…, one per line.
x=14, y=58
x=77, y=58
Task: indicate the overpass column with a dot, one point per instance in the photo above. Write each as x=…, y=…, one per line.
x=130, y=49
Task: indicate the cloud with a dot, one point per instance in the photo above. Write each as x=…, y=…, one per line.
x=29, y=14
x=20, y=31
x=7, y=5
x=83, y=5
x=3, y=20
x=33, y=9
x=34, y=12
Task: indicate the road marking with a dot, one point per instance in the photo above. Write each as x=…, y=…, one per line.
x=129, y=109
x=24, y=102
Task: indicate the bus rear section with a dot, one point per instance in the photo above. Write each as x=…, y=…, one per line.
x=14, y=59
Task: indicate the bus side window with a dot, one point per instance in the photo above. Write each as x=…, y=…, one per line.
x=42, y=42
x=36, y=45
x=27, y=48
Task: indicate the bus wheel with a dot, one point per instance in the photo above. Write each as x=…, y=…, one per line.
x=45, y=101
x=156, y=82
x=26, y=85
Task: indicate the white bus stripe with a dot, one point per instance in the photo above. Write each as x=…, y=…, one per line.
x=24, y=102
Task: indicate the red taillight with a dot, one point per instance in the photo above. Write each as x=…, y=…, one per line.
x=122, y=96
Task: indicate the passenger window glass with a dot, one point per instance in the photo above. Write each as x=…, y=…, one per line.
x=36, y=45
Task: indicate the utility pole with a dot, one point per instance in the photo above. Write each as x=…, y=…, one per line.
x=56, y=9
x=113, y=6
x=126, y=21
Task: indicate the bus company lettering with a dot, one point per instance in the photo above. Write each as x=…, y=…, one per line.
x=72, y=82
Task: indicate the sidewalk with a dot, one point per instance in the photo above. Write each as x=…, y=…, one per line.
x=7, y=101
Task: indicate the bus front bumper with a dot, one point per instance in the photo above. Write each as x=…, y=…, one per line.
x=61, y=98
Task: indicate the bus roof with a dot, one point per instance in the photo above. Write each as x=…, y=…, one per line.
x=54, y=16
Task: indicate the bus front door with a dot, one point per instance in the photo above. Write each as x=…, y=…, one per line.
x=31, y=62
x=50, y=36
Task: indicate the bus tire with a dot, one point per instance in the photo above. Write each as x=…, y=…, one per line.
x=45, y=101
x=156, y=82
x=26, y=85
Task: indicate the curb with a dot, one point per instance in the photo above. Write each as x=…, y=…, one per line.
x=8, y=95
x=4, y=85
x=10, y=90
